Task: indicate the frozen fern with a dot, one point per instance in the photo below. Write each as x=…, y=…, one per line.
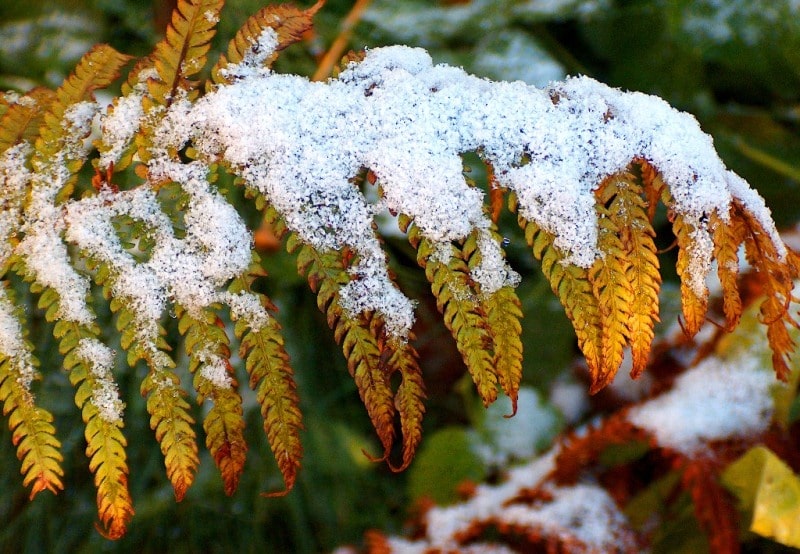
x=584, y=166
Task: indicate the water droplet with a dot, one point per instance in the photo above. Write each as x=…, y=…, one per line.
x=505, y=242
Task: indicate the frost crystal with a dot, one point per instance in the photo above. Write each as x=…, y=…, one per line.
x=105, y=395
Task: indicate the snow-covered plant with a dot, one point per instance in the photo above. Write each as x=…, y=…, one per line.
x=584, y=167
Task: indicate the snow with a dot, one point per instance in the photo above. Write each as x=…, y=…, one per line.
x=716, y=400
x=105, y=394
x=12, y=344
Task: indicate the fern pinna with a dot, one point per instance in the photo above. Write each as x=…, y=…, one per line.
x=584, y=166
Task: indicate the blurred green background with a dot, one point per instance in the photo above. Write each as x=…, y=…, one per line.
x=734, y=64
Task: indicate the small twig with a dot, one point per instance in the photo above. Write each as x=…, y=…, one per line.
x=336, y=50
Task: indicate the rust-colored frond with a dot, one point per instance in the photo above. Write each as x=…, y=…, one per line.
x=32, y=433
x=460, y=305
x=22, y=119
x=288, y=23
x=208, y=348
x=182, y=52
x=409, y=398
x=627, y=211
x=728, y=236
x=694, y=293
x=172, y=422
x=574, y=290
x=105, y=445
x=714, y=507
x=777, y=275
x=271, y=377
x=361, y=338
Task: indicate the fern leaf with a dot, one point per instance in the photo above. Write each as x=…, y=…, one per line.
x=171, y=421
x=627, y=210
x=182, y=52
x=409, y=399
x=288, y=23
x=694, y=294
x=365, y=354
x=614, y=294
x=777, y=275
x=728, y=236
x=207, y=345
x=573, y=288
x=461, y=308
x=267, y=364
x=89, y=366
x=22, y=119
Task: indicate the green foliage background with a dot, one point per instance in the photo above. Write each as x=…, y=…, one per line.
x=735, y=65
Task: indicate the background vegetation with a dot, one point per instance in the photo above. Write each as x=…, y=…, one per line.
x=735, y=65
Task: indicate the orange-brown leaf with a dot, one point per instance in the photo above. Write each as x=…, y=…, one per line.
x=694, y=294
x=728, y=236
x=409, y=399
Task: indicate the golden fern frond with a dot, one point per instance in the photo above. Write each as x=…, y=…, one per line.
x=694, y=294
x=459, y=303
x=22, y=119
x=89, y=366
x=728, y=236
x=171, y=420
x=777, y=276
x=628, y=212
x=503, y=313
x=571, y=285
x=267, y=363
x=31, y=426
x=182, y=52
x=365, y=353
x=208, y=348
x=288, y=23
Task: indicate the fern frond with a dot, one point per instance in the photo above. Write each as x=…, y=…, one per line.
x=614, y=293
x=365, y=353
x=627, y=211
x=777, y=275
x=573, y=288
x=32, y=431
x=267, y=364
x=728, y=236
x=182, y=52
x=458, y=301
x=694, y=293
x=208, y=348
x=171, y=420
x=89, y=366
x=22, y=119
x=288, y=24
x=409, y=398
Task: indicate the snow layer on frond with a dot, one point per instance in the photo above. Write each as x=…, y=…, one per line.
x=301, y=144
x=716, y=400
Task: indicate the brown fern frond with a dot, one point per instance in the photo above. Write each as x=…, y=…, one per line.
x=363, y=347
x=409, y=398
x=777, y=275
x=22, y=119
x=289, y=24
x=627, y=211
x=728, y=236
x=460, y=305
x=714, y=507
x=182, y=52
x=208, y=348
